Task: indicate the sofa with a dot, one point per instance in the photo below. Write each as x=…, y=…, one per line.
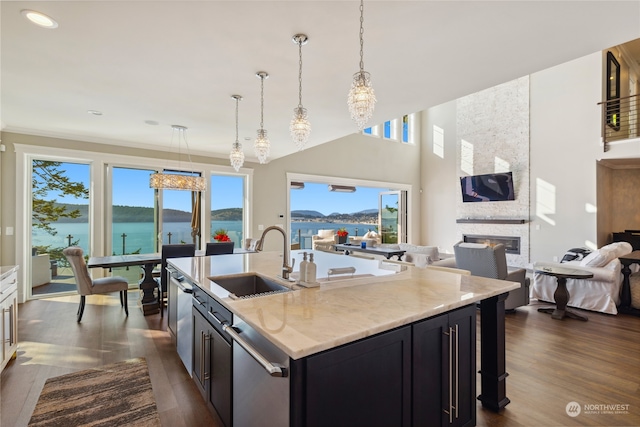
x=600, y=293
x=420, y=256
x=370, y=237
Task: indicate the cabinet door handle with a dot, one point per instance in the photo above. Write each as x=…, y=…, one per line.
x=11, y=325
x=449, y=412
x=203, y=354
x=195, y=298
x=213, y=314
x=457, y=368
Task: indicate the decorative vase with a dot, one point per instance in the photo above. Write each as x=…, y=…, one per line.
x=342, y=240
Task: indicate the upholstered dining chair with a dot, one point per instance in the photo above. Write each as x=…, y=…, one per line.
x=491, y=261
x=219, y=248
x=171, y=251
x=88, y=286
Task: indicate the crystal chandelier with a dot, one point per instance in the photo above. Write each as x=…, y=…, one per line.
x=177, y=181
x=361, y=98
x=300, y=127
x=237, y=155
x=262, y=144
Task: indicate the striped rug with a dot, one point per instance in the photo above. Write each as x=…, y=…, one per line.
x=112, y=395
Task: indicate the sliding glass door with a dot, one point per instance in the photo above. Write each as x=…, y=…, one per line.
x=392, y=214
x=60, y=207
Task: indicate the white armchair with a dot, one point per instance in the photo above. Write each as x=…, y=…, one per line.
x=599, y=293
x=324, y=240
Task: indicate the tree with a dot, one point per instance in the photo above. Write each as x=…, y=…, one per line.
x=48, y=178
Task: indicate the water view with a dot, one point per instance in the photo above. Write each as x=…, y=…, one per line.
x=139, y=235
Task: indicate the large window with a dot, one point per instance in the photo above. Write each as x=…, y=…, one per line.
x=228, y=207
x=133, y=215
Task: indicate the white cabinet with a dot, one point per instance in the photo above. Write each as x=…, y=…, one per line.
x=9, y=311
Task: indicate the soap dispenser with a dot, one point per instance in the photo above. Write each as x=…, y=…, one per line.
x=311, y=270
x=303, y=267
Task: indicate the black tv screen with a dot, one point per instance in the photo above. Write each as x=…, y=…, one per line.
x=492, y=187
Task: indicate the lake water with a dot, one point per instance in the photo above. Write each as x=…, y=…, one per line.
x=139, y=235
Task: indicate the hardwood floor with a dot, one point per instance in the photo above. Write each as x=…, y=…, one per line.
x=52, y=343
x=550, y=363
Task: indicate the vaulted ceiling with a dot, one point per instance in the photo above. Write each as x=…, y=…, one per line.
x=179, y=62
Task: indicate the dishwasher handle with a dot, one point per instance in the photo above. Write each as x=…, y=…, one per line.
x=274, y=369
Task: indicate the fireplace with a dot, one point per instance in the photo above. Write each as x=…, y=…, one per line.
x=511, y=243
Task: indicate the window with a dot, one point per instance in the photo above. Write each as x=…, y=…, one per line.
x=228, y=207
x=402, y=130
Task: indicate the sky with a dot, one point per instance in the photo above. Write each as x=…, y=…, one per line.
x=317, y=197
x=131, y=188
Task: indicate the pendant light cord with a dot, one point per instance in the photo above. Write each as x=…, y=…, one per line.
x=261, y=102
x=300, y=74
x=361, y=35
x=237, y=102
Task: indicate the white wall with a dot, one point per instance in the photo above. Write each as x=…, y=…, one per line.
x=565, y=144
x=439, y=181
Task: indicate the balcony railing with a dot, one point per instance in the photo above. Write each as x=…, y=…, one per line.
x=619, y=119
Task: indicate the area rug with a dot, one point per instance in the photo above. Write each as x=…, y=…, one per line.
x=112, y=395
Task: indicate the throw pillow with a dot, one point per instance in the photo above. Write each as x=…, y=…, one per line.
x=619, y=248
x=575, y=254
x=370, y=235
x=599, y=258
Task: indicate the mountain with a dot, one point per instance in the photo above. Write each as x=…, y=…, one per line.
x=366, y=212
x=306, y=214
x=145, y=214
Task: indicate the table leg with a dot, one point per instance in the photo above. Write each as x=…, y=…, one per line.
x=561, y=296
x=625, y=295
x=148, y=300
x=493, y=374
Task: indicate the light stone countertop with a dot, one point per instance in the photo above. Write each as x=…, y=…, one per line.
x=307, y=321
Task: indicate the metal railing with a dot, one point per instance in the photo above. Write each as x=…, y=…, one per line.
x=620, y=119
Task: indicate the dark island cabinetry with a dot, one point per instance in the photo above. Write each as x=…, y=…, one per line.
x=212, y=355
x=444, y=361
x=417, y=375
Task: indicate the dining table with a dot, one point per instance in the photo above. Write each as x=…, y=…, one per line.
x=148, y=298
x=149, y=302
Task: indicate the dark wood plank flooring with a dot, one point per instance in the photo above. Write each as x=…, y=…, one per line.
x=550, y=363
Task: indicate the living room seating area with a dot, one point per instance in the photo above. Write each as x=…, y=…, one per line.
x=599, y=293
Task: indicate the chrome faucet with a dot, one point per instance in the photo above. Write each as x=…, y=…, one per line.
x=286, y=268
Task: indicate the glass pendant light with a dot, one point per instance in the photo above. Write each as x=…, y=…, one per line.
x=361, y=98
x=237, y=155
x=300, y=127
x=262, y=145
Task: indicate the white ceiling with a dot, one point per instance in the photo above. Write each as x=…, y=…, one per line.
x=178, y=62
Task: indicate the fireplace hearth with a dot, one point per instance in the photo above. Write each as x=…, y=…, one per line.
x=511, y=243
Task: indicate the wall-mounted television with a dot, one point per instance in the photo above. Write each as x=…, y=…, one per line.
x=491, y=187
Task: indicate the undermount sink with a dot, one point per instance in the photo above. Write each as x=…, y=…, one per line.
x=249, y=285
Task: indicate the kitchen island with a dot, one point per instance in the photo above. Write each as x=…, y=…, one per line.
x=378, y=347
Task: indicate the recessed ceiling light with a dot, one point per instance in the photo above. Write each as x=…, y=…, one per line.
x=95, y=112
x=40, y=19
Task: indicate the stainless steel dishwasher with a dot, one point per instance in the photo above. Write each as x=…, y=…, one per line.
x=184, y=332
x=260, y=379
